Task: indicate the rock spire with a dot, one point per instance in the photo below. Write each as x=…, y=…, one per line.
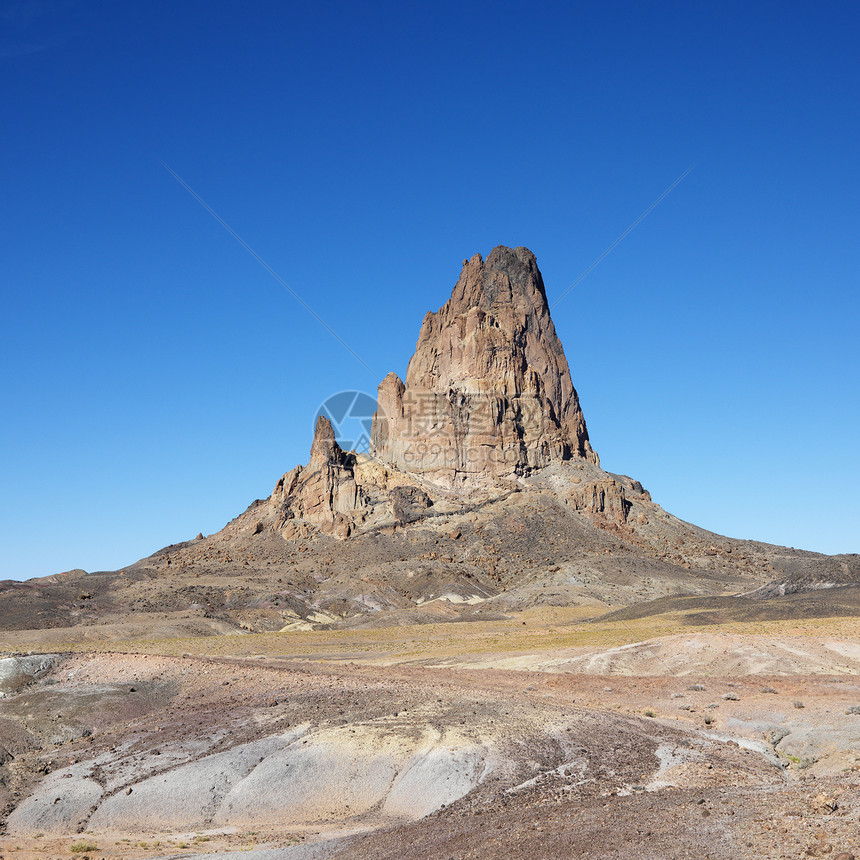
x=488, y=391
x=324, y=493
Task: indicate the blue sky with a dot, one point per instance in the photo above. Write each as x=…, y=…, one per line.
x=156, y=379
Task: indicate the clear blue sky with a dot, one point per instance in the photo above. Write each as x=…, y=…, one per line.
x=156, y=379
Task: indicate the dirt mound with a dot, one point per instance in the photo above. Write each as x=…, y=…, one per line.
x=170, y=747
x=720, y=655
x=764, y=604
x=811, y=574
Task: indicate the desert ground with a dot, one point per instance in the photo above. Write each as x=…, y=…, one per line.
x=552, y=733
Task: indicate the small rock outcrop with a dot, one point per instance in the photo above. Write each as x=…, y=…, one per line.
x=601, y=497
x=605, y=498
x=324, y=493
x=488, y=391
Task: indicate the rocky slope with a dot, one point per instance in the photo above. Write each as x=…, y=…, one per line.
x=153, y=756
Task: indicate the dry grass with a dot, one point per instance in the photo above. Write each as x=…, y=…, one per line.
x=532, y=631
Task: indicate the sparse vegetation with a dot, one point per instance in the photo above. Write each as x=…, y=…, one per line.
x=83, y=847
x=548, y=627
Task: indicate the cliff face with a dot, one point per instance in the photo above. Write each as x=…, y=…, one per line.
x=488, y=391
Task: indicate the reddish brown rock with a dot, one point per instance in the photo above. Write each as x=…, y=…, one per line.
x=488, y=391
x=601, y=497
x=324, y=493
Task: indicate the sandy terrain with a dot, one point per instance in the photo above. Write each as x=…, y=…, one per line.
x=455, y=740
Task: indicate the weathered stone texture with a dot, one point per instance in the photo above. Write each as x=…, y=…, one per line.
x=488, y=391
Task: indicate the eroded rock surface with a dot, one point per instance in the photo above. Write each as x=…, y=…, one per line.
x=488, y=390
x=235, y=746
x=324, y=493
x=480, y=495
x=488, y=399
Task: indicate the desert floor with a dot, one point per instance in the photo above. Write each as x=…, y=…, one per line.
x=546, y=735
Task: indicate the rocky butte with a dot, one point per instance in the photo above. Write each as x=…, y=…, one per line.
x=480, y=495
x=488, y=401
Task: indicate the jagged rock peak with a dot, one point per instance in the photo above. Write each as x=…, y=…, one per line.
x=323, y=494
x=324, y=448
x=488, y=390
x=522, y=285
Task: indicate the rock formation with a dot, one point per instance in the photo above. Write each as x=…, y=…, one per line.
x=605, y=498
x=488, y=391
x=488, y=405
x=488, y=397
x=323, y=493
x=338, y=492
x=481, y=495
